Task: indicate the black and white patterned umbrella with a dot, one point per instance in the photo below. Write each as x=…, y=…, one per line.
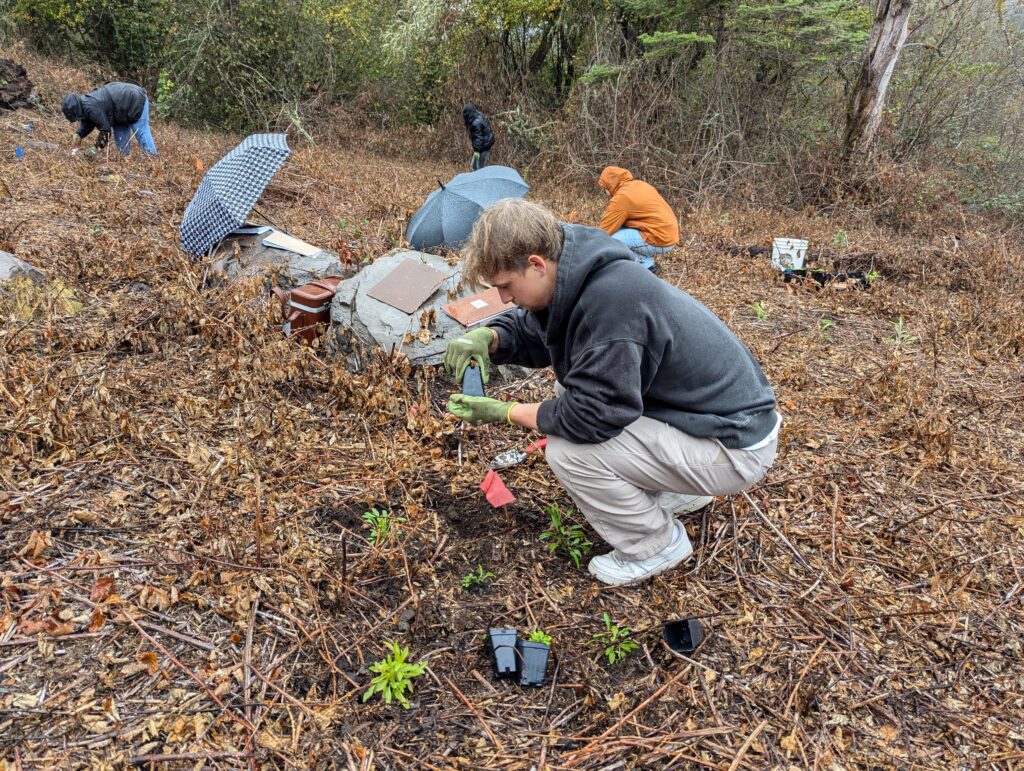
x=230, y=189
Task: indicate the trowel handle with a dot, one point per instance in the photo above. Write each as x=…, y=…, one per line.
x=540, y=444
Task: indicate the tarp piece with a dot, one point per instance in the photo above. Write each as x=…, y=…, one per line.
x=229, y=191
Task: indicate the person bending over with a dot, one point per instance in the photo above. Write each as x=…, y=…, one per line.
x=119, y=107
x=658, y=406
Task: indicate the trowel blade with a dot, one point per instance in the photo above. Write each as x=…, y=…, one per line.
x=508, y=458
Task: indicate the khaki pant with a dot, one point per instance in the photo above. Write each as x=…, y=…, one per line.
x=614, y=483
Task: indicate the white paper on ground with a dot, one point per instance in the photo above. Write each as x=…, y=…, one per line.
x=279, y=240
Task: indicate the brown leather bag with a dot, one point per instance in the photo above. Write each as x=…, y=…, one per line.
x=306, y=309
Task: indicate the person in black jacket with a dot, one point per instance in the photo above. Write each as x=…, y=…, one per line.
x=480, y=134
x=119, y=107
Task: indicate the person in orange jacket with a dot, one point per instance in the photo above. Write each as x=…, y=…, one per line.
x=638, y=216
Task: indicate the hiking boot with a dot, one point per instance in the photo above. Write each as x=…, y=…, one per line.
x=680, y=503
x=617, y=570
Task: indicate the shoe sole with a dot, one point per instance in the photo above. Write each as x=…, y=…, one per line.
x=641, y=579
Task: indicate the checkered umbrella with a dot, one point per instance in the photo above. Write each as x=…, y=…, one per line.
x=449, y=214
x=230, y=189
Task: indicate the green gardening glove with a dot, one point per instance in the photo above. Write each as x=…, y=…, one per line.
x=480, y=409
x=472, y=345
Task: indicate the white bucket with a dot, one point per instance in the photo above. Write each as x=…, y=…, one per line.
x=788, y=253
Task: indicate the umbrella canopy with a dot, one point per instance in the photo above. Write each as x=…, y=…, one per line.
x=449, y=213
x=230, y=189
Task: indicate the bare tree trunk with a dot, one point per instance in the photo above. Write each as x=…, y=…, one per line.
x=864, y=110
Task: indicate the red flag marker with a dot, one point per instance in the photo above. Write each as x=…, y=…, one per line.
x=495, y=491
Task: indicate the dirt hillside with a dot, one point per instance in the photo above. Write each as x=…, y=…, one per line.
x=187, y=580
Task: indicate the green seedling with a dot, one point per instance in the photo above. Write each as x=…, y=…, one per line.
x=615, y=640
x=873, y=276
x=539, y=636
x=760, y=310
x=840, y=239
x=479, y=578
x=394, y=676
x=561, y=535
x=383, y=526
x=824, y=325
x=901, y=335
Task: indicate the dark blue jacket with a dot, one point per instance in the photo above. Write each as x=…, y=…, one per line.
x=626, y=344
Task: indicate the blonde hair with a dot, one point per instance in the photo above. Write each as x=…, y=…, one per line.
x=504, y=237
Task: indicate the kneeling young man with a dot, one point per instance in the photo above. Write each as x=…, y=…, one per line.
x=658, y=404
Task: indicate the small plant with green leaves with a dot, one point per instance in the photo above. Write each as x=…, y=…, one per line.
x=824, y=325
x=539, y=636
x=383, y=526
x=479, y=578
x=394, y=676
x=615, y=640
x=570, y=538
x=872, y=276
x=901, y=335
x=760, y=310
x=840, y=240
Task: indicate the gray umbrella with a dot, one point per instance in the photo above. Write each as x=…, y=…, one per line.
x=449, y=213
x=230, y=189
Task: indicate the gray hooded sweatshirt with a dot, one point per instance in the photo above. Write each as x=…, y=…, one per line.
x=626, y=344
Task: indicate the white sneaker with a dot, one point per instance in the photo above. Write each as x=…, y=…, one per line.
x=680, y=503
x=617, y=570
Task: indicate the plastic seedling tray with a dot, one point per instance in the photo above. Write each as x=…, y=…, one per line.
x=683, y=635
x=502, y=645
x=533, y=662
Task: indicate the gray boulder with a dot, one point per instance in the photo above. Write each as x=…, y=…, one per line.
x=252, y=258
x=12, y=267
x=375, y=324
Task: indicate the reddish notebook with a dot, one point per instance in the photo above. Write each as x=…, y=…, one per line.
x=474, y=308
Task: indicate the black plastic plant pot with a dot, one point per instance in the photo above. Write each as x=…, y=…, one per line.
x=533, y=662
x=683, y=635
x=473, y=381
x=502, y=645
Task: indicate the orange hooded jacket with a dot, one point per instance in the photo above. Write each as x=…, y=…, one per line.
x=635, y=204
